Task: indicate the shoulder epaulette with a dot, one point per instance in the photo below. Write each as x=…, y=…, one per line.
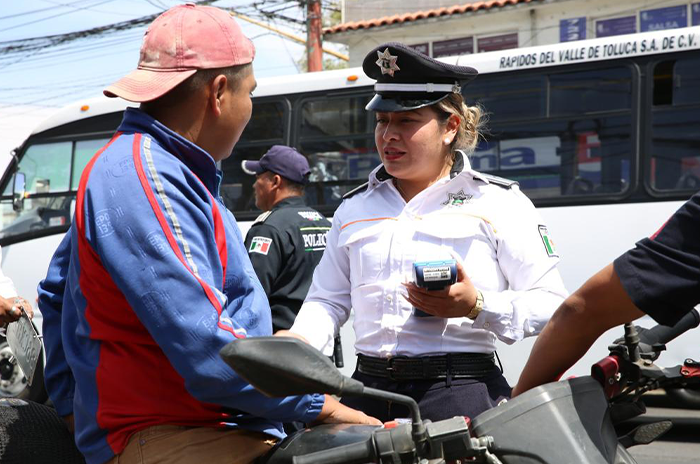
x=500, y=181
x=260, y=219
x=355, y=191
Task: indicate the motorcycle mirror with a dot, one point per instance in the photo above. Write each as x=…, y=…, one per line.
x=285, y=366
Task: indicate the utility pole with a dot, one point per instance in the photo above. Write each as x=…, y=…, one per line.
x=280, y=32
x=314, y=50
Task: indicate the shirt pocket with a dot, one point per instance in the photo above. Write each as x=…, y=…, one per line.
x=469, y=237
x=368, y=250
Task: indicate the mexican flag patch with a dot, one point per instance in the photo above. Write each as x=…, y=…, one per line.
x=547, y=241
x=260, y=245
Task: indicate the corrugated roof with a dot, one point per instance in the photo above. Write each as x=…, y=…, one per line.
x=408, y=17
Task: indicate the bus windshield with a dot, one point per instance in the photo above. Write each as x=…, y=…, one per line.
x=52, y=171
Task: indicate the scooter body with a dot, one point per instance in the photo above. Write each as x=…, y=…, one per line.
x=562, y=422
x=557, y=423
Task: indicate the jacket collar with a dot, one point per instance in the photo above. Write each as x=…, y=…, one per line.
x=195, y=158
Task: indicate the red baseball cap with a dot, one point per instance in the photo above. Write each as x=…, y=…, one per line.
x=178, y=43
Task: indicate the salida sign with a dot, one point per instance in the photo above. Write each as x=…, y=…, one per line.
x=602, y=51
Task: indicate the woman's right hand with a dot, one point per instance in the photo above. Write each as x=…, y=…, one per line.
x=334, y=412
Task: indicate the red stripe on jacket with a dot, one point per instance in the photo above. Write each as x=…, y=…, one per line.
x=220, y=236
x=171, y=238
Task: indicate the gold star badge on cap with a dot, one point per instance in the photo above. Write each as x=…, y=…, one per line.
x=387, y=62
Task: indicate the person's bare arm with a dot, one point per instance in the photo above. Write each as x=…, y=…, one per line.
x=334, y=412
x=600, y=304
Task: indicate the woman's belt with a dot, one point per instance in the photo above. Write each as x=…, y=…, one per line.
x=452, y=365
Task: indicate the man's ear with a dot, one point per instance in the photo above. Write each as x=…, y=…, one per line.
x=276, y=181
x=217, y=92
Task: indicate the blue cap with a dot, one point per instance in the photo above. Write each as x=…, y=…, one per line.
x=282, y=160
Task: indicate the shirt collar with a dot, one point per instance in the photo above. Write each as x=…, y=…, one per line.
x=461, y=164
x=295, y=200
x=195, y=158
x=467, y=168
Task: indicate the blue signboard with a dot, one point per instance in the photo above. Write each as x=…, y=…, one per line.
x=616, y=26
x=695, y=13
x=659, y=19
x=572, y=29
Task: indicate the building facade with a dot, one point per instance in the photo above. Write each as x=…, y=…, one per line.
x=442, y=28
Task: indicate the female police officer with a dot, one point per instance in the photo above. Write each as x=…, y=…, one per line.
x=426, y=203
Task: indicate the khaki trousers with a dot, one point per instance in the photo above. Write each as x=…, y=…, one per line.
x=193, y=445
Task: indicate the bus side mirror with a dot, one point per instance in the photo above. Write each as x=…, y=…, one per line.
x=19, y=186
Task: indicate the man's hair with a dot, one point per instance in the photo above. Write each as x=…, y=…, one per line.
x=202, y=78
x=287, y=184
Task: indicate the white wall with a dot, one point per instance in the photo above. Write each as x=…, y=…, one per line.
x=536, y=23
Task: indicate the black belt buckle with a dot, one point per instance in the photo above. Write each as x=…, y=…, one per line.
x=390, y=369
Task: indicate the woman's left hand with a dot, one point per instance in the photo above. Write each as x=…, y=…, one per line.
x=457, y=300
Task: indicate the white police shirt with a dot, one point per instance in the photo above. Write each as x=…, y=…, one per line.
x=376, y=237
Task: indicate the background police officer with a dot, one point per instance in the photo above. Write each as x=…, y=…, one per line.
x=287, y=241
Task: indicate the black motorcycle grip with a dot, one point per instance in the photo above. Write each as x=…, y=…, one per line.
x=664, y=334
x=354, y=453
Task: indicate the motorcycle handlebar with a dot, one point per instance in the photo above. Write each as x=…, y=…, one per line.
x=664, y=334
x=355, y=453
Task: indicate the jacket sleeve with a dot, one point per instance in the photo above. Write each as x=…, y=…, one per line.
x=327, y=305
x=158, y=245
x=527, y=258
x=264, y=245
x=58, y=377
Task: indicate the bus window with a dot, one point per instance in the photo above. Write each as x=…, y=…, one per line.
x=686, y=81
x=555, y=158
x=337, y=167
x=590, y=91
x=675, y=148
x=508, y=97
x=267, y=127
x=333, y=117
x=337, y=136
x=581, y=146
x=267, y=122
x=47, y=167
x=84, y=151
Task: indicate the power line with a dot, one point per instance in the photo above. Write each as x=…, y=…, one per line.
x=43, y=55
x=102, y=2
x=43, y=10
x=21, y=45
x=87, y=8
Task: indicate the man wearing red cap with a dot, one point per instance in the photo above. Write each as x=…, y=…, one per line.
x=153, y=278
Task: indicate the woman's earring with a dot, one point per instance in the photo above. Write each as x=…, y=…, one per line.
x=447, y=141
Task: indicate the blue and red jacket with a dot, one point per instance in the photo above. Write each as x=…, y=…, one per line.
x=151, y=281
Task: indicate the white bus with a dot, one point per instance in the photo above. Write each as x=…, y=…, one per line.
x=603, y=135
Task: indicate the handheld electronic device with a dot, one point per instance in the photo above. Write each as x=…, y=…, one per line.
x=433, y=275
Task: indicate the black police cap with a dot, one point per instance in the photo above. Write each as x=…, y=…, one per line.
x=407, y=79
